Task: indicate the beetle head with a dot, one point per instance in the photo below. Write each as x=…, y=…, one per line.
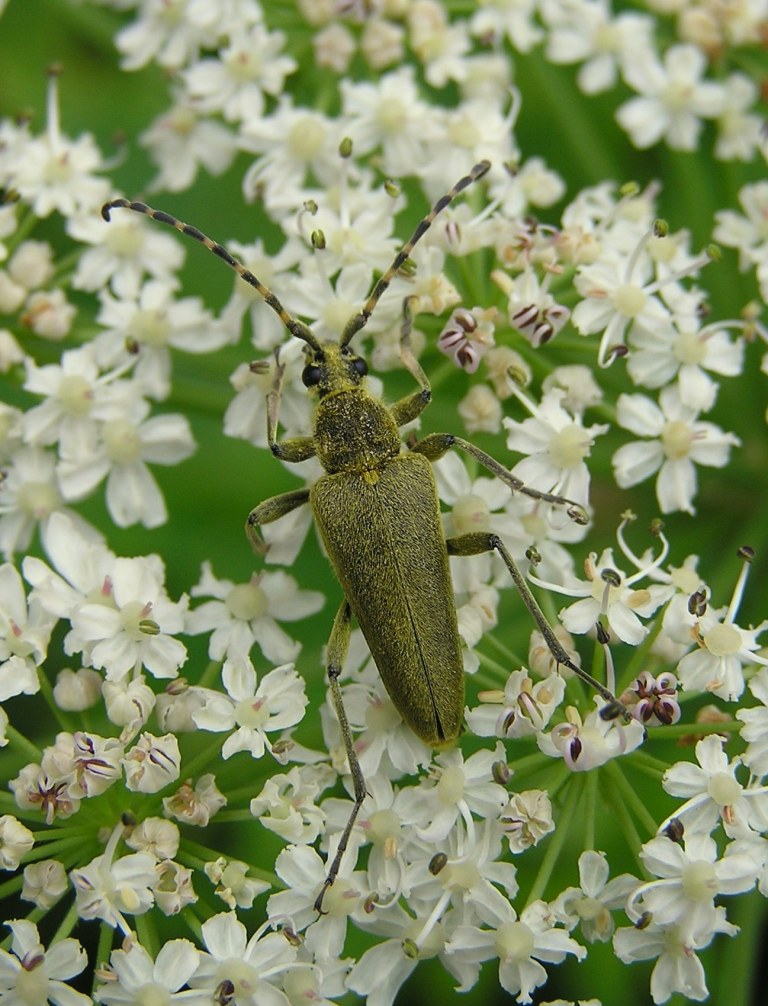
x=331, y=368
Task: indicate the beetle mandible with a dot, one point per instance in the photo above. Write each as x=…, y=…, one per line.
x=377, y=512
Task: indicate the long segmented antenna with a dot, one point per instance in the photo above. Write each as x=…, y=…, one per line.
x=294, y=326
x=358, y=321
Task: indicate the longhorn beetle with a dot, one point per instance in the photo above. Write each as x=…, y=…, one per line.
x=378, y=514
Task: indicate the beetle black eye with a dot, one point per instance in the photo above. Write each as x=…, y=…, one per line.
x=311, y=375
x=360, y=366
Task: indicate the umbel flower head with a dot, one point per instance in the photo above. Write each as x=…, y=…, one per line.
x=210, y=794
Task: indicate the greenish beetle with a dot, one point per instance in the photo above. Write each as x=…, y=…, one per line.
x=378, y=514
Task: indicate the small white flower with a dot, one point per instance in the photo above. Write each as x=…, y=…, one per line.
x=44, y=883
x=233, y=885
x=180, y=141
x=135, y=978
x=32, y=974
x=252, y=710
x=95, y=762
x=609, y=593
x=155, y=835
x=195, y=806
x=30, y=494
x=557, y=444
x=25, y=630
x=107, y=889
x=587, y=744
x=244, y=614
x=723, y=650
x=16, y=840
x=520, y=944
x=673, y=98
x=755, y=729
x=235, y=82
x=526, y=819
x=120, y=451
x=253, y=966
x=54, y=173
x=388, y=114
x=457, y=787
x=303, y=872
x=691, y=876
x=131, y=623
x=711, y=790
x=152, y=763
x=676, y=441
x=677, y=967
x=524, y=707
x=590, y=904
x=124, y=250
x=151, y=324
x=590, y=32
x=286, y=803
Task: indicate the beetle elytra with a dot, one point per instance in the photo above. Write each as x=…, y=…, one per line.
x=377, y=511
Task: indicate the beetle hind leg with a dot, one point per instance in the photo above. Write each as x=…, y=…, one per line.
x=480, y=541
x=338, y=645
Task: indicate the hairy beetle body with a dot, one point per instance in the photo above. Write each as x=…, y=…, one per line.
x=382, y=531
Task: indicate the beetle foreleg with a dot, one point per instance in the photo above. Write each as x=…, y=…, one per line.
x=270, y=510
x=411, y=406
x=338, y=645
x=295, y=449
x=480, y=541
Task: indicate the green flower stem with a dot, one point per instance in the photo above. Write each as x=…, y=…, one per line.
x=618, y=810
x=738, y=956
x=8, y=803
x=147, y=933
x=49, y=834
x=52, y=850
x=642, y=654
x=590, y=809
x=566, y=819
x=630, y=798
x=194, y=923
x=20, y=743
x=496, y=676
x=12, y=886
x=184, y=857
x=225, y=817
x=211, y=753
x=67, y=924
x=235, y=796
x=699, y=730
x=529, y=764
x=26, y=225
x=65, y=721
x=649, y=764
x=210, y=674
x=106, y=939
x=510, y=658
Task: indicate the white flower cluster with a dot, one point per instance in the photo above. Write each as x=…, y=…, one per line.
x=576, y=326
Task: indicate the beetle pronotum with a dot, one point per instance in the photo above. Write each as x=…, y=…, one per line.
x=378, y=514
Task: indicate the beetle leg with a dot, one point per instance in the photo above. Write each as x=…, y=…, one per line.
x=480, y=541
x=338, y=645
x=270, y=510
x=411, y=406
x=436, y=445
x=295, y=449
